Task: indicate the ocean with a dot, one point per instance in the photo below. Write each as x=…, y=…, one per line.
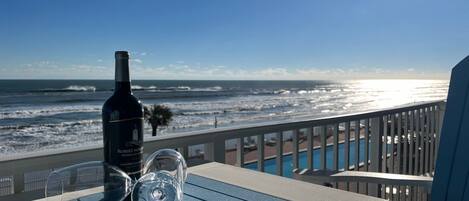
x=55, y=114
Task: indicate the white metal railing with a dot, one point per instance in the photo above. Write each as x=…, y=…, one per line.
x=407, y=137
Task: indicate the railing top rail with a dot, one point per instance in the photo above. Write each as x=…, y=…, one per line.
x=204, y=136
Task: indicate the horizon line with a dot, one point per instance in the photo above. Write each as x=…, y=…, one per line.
x=351, y=79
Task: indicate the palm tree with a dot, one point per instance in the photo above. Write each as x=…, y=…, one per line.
x=157, y=115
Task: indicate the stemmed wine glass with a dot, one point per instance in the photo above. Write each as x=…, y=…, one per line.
x=164, y=174
x=163, y=179
x=93, y=180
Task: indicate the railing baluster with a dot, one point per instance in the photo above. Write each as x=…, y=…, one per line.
x=309, y=148
x=215, y=151
x=392, y=158
x=376, y=153
x=417, y=143
x=422, y=141
x=184, y=151
x=440, y=116
x=427, y=141
x=393, y=140
x=295, y=158
x=357, y=145
x=403, y=194
x=411, y=142
x=260, y=152
x=240, y=152
x=405, y=158
x=367, y=145
x=336, y=147
x=336, y=150
x=385, y=144
x=18, y=185
x=416, y=148
x=399, y=190
x=432, y=140
x=385, y=152
x=399, y=143
x=347, y=150
x=405, y=152
x=356, y=132
x=279, y=153
x=323, y=146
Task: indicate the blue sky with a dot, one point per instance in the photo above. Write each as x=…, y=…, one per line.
x=242, y=39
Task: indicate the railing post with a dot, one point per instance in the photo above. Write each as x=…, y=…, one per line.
x=215, y=151
x=260, y=152
x=73, y=176
x=441, y=115
x=279, y=153
x=295, y=149
x=426, y=142
x=336, y=147
x=240, y=152
x=347, y=147
x=356, y=132
x=347, y=151
x=323, y=136
x=310, y=148
x=367, y=143
x=376, y=153
x=18, y=185
x=184, y=151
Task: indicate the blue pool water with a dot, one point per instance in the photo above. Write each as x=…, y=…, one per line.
x=270, y=166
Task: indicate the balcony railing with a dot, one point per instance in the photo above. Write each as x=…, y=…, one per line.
x=400, y=140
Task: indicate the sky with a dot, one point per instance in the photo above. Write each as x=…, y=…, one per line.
x=242, y=39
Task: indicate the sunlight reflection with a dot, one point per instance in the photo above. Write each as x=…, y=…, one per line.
x=389, y=93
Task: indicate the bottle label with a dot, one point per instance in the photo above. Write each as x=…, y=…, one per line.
x=124, y=145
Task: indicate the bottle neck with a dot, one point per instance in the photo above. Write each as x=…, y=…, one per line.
x=123, y=87
x=122, y=77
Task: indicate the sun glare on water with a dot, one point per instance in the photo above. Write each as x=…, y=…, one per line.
x=390, y=93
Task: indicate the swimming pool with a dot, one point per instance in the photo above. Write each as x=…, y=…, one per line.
x=270, y=166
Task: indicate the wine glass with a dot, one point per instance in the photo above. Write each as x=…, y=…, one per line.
x=163, y=179
x=165, y=172
x=95, y=180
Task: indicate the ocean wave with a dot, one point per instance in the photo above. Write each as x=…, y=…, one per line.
x=153, y=88
x=45, y=111
x=215, y=88
x=34, y=137
x=71, y=88
x=183, y=88
x=282, y=91
x=137, y=87
x=203, y=112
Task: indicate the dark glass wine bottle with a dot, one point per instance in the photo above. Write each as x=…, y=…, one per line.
x=123, y=123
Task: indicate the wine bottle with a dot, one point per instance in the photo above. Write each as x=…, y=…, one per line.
x=122, y=116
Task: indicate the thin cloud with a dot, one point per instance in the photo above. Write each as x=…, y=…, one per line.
x=53, y=70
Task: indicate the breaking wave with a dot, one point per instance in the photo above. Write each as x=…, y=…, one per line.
x=71, y=88
x=153, y=88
